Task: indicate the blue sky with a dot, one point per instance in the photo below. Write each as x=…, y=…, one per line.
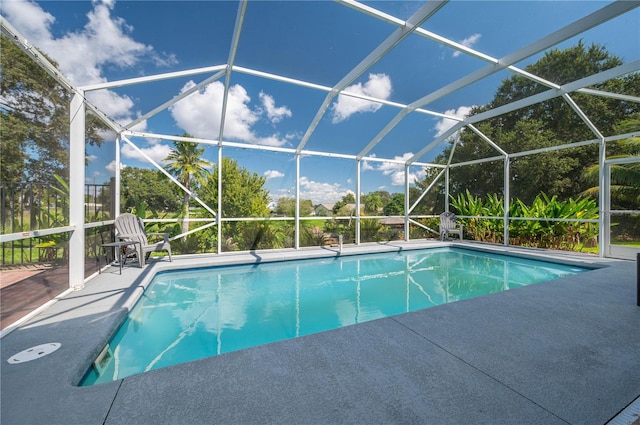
x=316, y=42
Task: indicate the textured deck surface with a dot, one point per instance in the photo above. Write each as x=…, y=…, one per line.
x=563, y=351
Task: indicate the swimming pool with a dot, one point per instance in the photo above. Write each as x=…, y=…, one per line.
x=192, y=314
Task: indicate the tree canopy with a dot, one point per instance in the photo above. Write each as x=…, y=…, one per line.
x=143, y=185
x=243, y=191
x=543, y=125
x=185, y=162
x=287, y=207
x=34, y=120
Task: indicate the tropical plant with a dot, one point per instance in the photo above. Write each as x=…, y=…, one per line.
x=370, y=230
x=311, y=235
x=527, y=225
x=185, y=162
x=625, y=178
x=259, y=235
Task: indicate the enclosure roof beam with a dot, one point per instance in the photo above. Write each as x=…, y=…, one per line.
x=435, y=142
x=31, y=51
x=610, y=95
x=152, y=78
x=441, y=40
x=166, y=173
x=488, y=140
x=582, y=115
x=320, y=87
x=532, y=100
x=8, y=30
x=602, y=15
x=232, y=56
x=600, y=77
x=372, y=58
x=174, y=100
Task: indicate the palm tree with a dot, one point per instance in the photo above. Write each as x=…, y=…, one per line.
x=625, y=178
x=185, y=162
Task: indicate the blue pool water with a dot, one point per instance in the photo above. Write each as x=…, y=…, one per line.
x=188, y=315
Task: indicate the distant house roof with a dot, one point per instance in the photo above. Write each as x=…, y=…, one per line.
x=326, y=206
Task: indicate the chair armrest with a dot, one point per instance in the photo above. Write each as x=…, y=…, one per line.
x=163, y=234
x=124, y=237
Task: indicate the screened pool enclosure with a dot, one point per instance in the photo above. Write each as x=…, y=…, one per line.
x=314, y=122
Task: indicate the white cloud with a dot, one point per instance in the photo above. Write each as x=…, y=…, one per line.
x=321, y=193
x=273, y=174
x=445, y=124
x=365, y=166
x=81, y=55
x=111, y=167
x=273, y=140
x=28, y=18
x=396, y=170
x=118, y=107
x=468, y=42
x=378, y=86
x=199, y=114
x=157, y=152
x=275, y=114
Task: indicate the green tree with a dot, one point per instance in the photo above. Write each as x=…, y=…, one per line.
x=243, y=195
x=340, y=207
x=546, y=172
x=34, y=120
x=625, y=178
x=185, y=162
x=550, y=123
x=372, y=203
x=396, y=205
x=287, y=207
x=140, y=185
x=243, y=191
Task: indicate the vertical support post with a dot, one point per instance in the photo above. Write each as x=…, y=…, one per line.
x=297, y=211
x=604, y=221
x=358, y=200
x=219, y=215
x=638, y=280
x=76, y=190
x=117, y=174
x=446, y=189
x=406, y=202
x=507, y=195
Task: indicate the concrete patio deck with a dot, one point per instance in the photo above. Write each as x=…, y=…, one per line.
x=563, y=351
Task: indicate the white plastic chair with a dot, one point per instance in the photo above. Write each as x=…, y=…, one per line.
x=448, y=225
x=130, y=227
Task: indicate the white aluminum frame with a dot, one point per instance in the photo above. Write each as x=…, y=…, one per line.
x=80, y=105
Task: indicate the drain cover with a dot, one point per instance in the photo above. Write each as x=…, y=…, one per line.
x=34, y=352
